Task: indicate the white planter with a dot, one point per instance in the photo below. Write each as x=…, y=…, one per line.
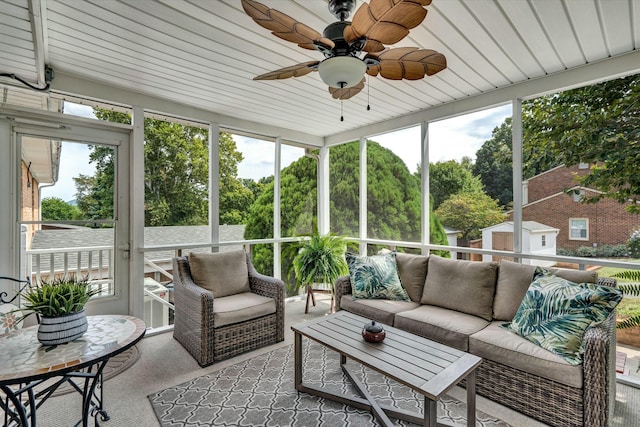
x=62, y=329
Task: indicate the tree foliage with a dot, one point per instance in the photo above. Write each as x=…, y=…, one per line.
x=449, y=178
x=393, y=197
x=599, y=125
x=469, y=213
x=56, y=209
x=176, y=176
x=494, y=165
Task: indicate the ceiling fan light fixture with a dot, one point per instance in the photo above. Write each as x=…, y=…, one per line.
x=342, y=71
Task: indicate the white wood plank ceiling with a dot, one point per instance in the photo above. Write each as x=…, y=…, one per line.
x=204, y=53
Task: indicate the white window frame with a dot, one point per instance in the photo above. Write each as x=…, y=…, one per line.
x=571, y=228
x=577, y=196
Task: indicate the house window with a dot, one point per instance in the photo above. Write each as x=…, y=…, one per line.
x=578, y=195
x=583, y=165
x=578, y=229
x=544, y=240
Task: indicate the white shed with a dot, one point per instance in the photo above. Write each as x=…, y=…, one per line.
x=536, y=239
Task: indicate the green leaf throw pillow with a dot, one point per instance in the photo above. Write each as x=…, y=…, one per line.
x=375, y=277
x=555, y=314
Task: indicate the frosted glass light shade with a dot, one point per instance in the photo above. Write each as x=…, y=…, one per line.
x=342, y=71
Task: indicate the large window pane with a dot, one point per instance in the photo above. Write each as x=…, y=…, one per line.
x=250, y=197
x=344, y=188
x=393, y=186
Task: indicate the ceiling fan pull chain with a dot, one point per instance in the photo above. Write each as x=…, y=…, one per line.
x=368, y=92
x=341, y=110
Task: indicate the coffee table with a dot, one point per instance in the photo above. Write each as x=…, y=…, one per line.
x=425, y=366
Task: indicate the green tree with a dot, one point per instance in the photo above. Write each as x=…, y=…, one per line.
x=176, y=176
x=494, y=165
x=56, y=209
x=599, y=125
x=469, y=213
x=393, y=200
x=449, y=178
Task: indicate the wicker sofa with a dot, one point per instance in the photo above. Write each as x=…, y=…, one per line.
x=215, y=327
x=514, y=372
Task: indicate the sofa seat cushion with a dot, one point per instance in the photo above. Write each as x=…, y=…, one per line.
x=465, y=286
x=380, y=310
x=445, y=326
x=222, y=273
x=241, y=307
x=499, y=345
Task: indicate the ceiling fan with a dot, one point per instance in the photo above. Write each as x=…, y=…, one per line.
x=374, y=25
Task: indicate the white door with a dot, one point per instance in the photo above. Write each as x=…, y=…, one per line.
x=73, y=206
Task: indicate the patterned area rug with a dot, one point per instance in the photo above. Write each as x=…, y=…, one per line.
x=116, y=365
x=260, y=391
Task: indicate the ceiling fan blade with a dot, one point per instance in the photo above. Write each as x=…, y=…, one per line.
x=408, y=63
x=284, y=26
x=347, y=92
x=297, y=70
x=385, y=21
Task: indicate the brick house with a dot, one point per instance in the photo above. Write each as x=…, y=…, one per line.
x=580, y=224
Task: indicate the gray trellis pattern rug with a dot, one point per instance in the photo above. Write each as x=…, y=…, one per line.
x=260, y=392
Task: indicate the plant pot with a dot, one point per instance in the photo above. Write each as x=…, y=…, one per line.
x=62, y=329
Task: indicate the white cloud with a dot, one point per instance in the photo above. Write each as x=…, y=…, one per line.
x=449, y=139
x=74, y=160
x=259, y=157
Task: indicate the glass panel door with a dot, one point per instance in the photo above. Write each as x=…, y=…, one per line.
x=69, y=212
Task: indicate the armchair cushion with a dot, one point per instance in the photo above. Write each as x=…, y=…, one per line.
x=240, y=308
x=222, y=273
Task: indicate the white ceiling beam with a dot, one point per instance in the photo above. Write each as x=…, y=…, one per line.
x=68, y=84
x=608, y=69
x=37, y=13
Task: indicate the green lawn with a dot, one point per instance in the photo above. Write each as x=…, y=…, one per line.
x=629, y=305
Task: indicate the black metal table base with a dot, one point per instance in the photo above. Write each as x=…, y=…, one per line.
x=21, y=401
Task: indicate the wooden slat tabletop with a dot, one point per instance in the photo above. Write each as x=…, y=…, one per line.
x=428, y=367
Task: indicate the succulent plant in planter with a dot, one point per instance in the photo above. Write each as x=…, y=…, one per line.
x=59, y=304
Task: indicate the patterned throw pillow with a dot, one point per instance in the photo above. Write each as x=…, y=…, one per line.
x=555, y=313
x=375, y=277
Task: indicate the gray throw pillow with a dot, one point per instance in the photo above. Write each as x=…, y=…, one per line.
x=222, y=273
x=464, y=286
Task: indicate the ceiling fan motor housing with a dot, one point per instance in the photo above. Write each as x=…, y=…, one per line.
x=341, y=9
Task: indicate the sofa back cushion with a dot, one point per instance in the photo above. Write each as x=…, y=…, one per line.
x=514, y=280
x=412, y=270
x=465, y=286
x=223, y=273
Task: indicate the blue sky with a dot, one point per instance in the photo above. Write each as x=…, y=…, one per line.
x=449, y=139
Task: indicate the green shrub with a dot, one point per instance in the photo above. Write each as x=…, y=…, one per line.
x=564, y=252
x=633, y=244
x=587, y=252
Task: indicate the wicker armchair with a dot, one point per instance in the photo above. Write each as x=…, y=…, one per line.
x=195, y=313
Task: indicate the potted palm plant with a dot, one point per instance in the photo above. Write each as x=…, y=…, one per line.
x=631, y=289
x=59, y=305
x=319, y=259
